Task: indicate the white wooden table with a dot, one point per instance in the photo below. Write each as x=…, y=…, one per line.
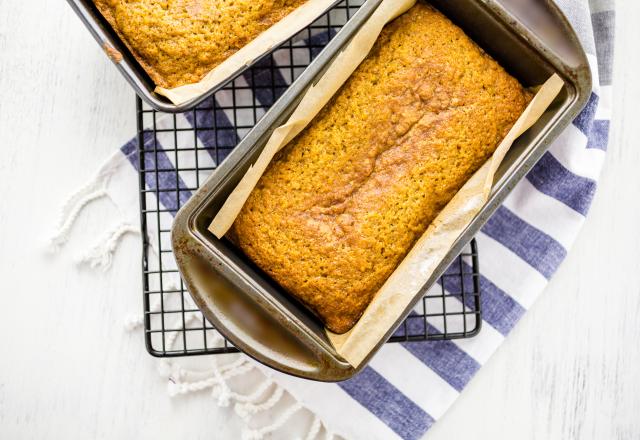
x=68, y=369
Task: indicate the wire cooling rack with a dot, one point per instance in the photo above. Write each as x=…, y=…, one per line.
x=178, y=152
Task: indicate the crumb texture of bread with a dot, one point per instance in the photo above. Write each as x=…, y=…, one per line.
x=179, y=41
x=341, y=205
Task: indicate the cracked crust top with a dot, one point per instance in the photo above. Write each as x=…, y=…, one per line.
x=340, y=206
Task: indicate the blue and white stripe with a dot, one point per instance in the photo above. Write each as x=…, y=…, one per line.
x=408, y=386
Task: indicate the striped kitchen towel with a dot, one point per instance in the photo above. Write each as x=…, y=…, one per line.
x=530, y=235
x=407, y=386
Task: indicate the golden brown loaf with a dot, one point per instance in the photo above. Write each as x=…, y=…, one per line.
x=179, y=41
x=342, y=204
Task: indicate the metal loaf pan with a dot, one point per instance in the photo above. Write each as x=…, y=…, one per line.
x=531, y=39
x=129, y=67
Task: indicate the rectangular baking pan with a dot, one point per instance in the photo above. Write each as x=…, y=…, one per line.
x=129, y=67
x=531, y=40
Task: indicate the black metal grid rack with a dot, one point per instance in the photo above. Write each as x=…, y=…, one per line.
x=176, y=153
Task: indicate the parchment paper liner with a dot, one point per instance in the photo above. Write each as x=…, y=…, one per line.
x=410, y=276
x=280, y=32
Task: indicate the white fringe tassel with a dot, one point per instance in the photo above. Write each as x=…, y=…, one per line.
x=249, y=409
x=258, y=434
x=95, y=188
x=101, y=254
x=68, y=216
x=181, y=381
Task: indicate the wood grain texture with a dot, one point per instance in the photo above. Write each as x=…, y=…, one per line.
x=68, y=369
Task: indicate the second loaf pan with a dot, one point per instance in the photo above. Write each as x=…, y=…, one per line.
x=254, y=312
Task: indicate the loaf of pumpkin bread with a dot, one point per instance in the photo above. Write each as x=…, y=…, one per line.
x=179, y=41
x=341, y=205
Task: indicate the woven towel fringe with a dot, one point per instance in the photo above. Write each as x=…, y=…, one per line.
x=182, y=381
x=249, y=409
x=246, y=405
x=101, y=254
x=95, y=188
x=255, y=395
x=258, y=434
